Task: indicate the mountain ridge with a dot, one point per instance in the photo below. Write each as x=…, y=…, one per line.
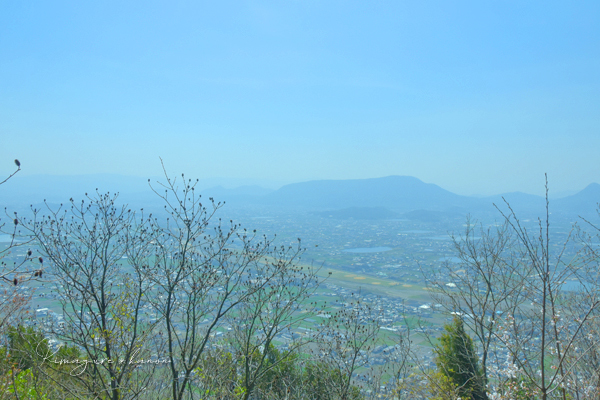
x=396, y=193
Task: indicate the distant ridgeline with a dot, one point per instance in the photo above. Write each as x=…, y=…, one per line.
x=377, y=198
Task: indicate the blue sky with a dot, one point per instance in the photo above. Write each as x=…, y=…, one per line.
x=479, y=97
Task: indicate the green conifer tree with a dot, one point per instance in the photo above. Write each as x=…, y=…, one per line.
x=456, y=360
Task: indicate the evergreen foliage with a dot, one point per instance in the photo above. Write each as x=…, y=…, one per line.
x=456, y=360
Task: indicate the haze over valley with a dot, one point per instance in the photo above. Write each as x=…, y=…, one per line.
x=300, y=200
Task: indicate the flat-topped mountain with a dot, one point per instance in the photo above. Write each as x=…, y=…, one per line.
x=398, y=193
x=374, y=198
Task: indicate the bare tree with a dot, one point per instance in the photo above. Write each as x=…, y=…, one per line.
x=272, y=311
x=14, y=273
x=584, y=376
x=512, y=294
x=12, y=299
x=18, y=164
x=98, y=253
x=510, y=290
x=397, y=366
x=346, y=340
x=205, y=270
x=546, y=331
x=484, y=285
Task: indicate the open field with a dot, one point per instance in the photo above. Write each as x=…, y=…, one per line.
x=377, y=286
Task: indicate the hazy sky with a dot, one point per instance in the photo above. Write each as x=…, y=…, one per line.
x=475, y=96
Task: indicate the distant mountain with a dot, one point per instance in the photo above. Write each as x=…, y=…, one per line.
x=398, y=193
x=242, y=194
x=584, y=203
x=21, y=191
x=250, y=190
x=354, y=198
x=408, y=194
x=60, y=188
x=522, y=203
